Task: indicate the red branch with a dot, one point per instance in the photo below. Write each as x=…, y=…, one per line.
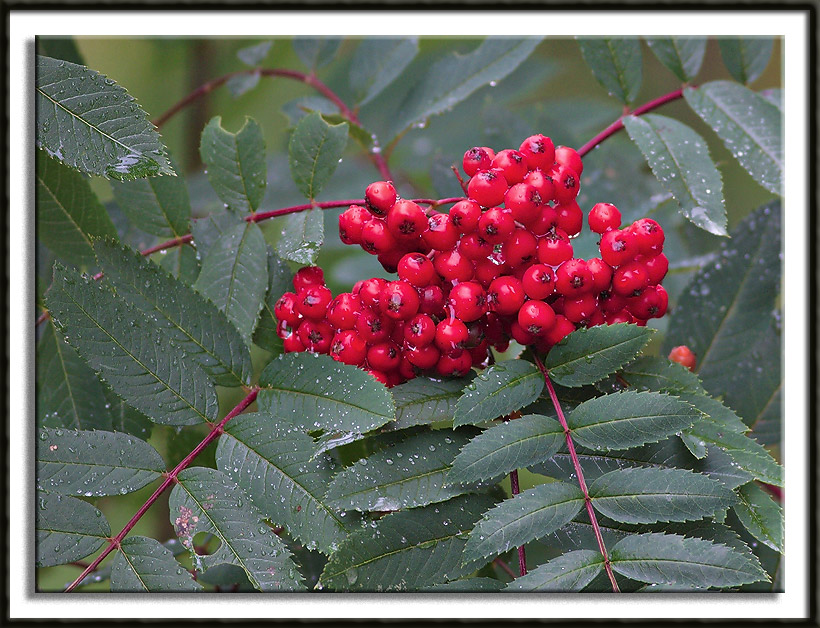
x=170, y=478
x=619, y=123
x=522, y=556
x=579, y=472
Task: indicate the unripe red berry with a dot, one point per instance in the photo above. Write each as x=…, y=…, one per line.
x=406, y=220
x=451, y=334
x=630, y=279
x=351, y=222
x=344, y=310
x=618, y=246
x=441, y=234
x=524, y=203
x=512, y=164
x=573, y=278
x=464, y=215
x=520, y=248
x=316, y=336
x=539, y=151
x=554, y=248
x=453, y=266
x=468, y=300
x=536, y=317
x=565, y=184
x=603, y=217
x=683, y=355
x=416, y=269
x=538, y=281
x=496, y=225
x=348, y=347
x=569, y=157
x=506, y=295
x=285, y=309
x=476, y=159
x=376, y=238
x=399, y=300
x=420, y=330
x=312, y=301
x=487, y=188
x=380, y=197
x=570, y=218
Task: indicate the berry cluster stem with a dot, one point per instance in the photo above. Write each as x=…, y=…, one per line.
x=170, y=478
x=578, y=472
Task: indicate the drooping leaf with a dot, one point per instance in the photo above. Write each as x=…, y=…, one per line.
x=408, y=474
x=68, y=391
x=92, y=124
x=590, y=354
x=761, y=516
x=274, y=464
x=193, y=322
x=746, y=57
x=130, y=351
x=157, y=205
x=661, y=375
x=407, y=550
x=206, y=500
x=502, y=448
x=280, y=280
x=673, y=559
x=377, y=62
x=749, y=126
x=467, y=585
x=569, y=572
x=316, y=52
x=682, y=55
x=315, y=391
x=727, y=303
x=453, y=78
x=302, y=236
x=94, y=463
x=641, y=495
x=254, y=55
x=68, y=213
x=422, y=401
x=523, y=518
x=616, y=64
x=68, y=529
x=314, y=152
x=497, y=391
x=628, y=419
x=143, y=565
x=680, y=160
x=235, y=163
x=234, y=276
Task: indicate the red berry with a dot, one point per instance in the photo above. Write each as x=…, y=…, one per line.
x=384, y=356
x=380, y=197
x=539, y=151
x=524, y=203
x=618, y=246
x=542, y=184
x=376, y=238
x=581, y=308
x=457, y=366
x=570, y=218
x=562, y=327
x=569, y=157
x=496, y=225
x=344, y=310
x=453, y=266
x=610, y=302
x=369, y=291
x=521, y=335
x=379, y=376
x=406, y=220
x=546, y=221
x=416, y=269
x=506, y=295
x=292, y=344
x=538, y=281
x=512, y=164
x=348, y=347
x=351, y=222
x=399, y=300
x=619, y=317
x=474, y=247
x=603, y=217
x=656, y=266
x=476, y=159
x=536, y=317
x=464, y=215
x=431, y=300
x=479, y=355
x=420, y=330
x=451, y=334
x=565, y=184
x=630, y=279
x=406, y=368
x=651, y=303
x=519, y=248
x=649, y=235
x=285, y=309
x=373, y=327
x=424, y=358
x=596, y=318
x=312, y=302
x=683, y=355
x=441, y=234
x=487, y=270
x=554, y=248
x=601, y=274
x=308, y=276
x=468, y=300
x=487, y=188
x=390, y=259
x=316, y=336
x=573, y=278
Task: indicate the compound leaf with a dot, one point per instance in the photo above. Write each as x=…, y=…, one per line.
x=616, y=64
x=661, y=375
x=68, y=529
x=143, y=565
x=569, y=572
x=314, y=152
x=497, y=391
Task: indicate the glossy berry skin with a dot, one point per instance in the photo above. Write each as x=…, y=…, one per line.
x=611, y=303
x=536, y=317
x=348, y=347
x=581, y=308
x=618, y=246
x=569, y=157
x=565, y=184
x=542, y=184
x=316, y=336
x=416, y=269
x=451, y=334
x=487, y=188
x=390, y=259
x=424, y=358
x=496, y=225
x=649, y=235
x=476, y=159
x=376, y=238
x=431, y=300
x=406, y=220
x=474, y=247
x=561, y=328
x=399, y=300
x=312, y=301
x=487, y=271
x=656, y=267
x=538, y=281
x=519, y=248
x=379, y=198
x=554, y=248
x=539, y=151
x=619, y=317
x=308, y=276
x=512, y=164
x=630, y=279
x=524, y=203
x=453, y=266
x=547, y=221
x=285, y=309
x=464, y=215
x=292, y=344
x=601, y=274
x=570, y=218
x=441, y=234
x=468, y=300
x=506, y=295
x=454, y=366
x=521, y=335
x=604, y=217
x=420, y=331
x=369, y=291
x=683, y=355
x=351, y=222
x=344, y=310
x=384, y=356
x=573, y=278
x=373, y=327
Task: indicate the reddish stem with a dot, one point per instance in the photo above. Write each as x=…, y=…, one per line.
x=505, y=567
x=170, y=478
x=579, y=472
x=776, y=491
x=522, y=556
x=619, y=123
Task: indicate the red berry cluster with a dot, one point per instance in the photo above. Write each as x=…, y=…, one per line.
x=498, y=266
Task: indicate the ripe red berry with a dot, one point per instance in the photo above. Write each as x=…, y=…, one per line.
x=538, y=281
x=464, y=215
x=369, y=291
x=285, y=309
x=384, y=356
x=630, y=279
x=521, y=335
x=519, y=248
x=562, y=327
x=456, y=366
x=649, y=235
x=316, y=336
x=378, y=376
x=683, y=355
x=441, y=234
x=344, y=310
x=390, y=259
x=565, y=184
x=570, y=218
x=524, y=203
x=423, y=358
x=351, y=222
x=610, y=302
x=542, y=184
x=399, y=300
x=373, y=327
x=406, y=220
x=656, y=266
x=474, y=247
x=420, y=330
x=292, y=344
x=580, y=309
x=468, y=300
x=547, y=220
x=453, y=266
x=416, y=269
x=348, y=347
x=512, y=164
x=506, y=295
x=376, y=238
x=312, y=301
x=379, y=198
x=622, y=316
x=573, y=278
x=496, y=225
x=618, y=246
x=451, y=334
x=431, y=300
x=476, y=159
x=554, y=248
x=536, y=317
x=539, y=151
x=308, y=276
x=569, y=157
x=601, y=274
x=487, y=188
x=603, y=217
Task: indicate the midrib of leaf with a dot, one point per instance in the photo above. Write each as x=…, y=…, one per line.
x=509, y=384
x=399, y=481
x=65, y=211
x=680, y=561
x=234, y=266
x=531, y=513
x=135, y=358
x=67, y=385
x=72, y=532
x=162, y=209
x=313, y=166
x=239, y=169
x=315, y=396
x=619, y=495
x=669, y=151
x=619, y=71
x=747, y=131
x=618, y=420
x=509, y=444
x=753, y=512
x=768, y=403
x=599, y=351
x=134, y=569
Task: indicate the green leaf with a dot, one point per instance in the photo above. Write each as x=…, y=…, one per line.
x=143, y=565
x=182, y=263
x=280, y=280
x=727, y=305
x=316, y=52
x=158, y=205
x=92, y=124
x=273, y=464
x=452, y=79
x=628, y=419
x=422, y=401
x=616, y=64
x=749, y=126
x=242, y=83
x=254, y=55
x=68, y=391
x=235, y=163
x=94, y=463
x=673, y=559
x=315, y=391
x=523, y=518
x=467, y=585
x=68, y=529
x=130, y=351
x=314, y=152
x=208, y=231
x=408, y=474
x=761, y=516
x=746, y=57
x=497, y=391
x=60, y=48
x=302, y=236
x=650, y=495
x=68, y=213
x=680, y=160
x=774, y=96
x=127, y=419
x=378, y=62
x=507, y=446
x=682, y=55
x=590, y=354
x=234, y=276
x=407, y=550
x=569, y=572
x=193, y=323
x=206, y=500
x=661, y=375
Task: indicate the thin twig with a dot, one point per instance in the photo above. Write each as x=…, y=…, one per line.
x=522, y=556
